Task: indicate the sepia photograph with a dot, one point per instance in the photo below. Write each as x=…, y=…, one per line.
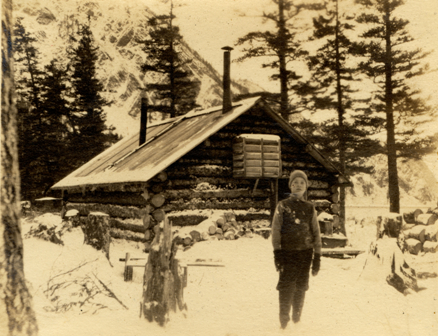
x=221, y=168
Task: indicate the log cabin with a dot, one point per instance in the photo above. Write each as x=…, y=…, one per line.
x=235, y=157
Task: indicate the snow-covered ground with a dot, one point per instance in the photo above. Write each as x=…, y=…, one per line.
x=238, y=299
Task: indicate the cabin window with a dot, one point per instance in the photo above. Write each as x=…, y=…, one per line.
x=257, y=156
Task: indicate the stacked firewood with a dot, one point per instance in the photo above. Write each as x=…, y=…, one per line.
x=226, y=227
x=420, y=231
x=154, y=213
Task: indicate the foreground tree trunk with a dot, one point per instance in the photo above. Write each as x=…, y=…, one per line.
x=163, y=278
x=15, y=300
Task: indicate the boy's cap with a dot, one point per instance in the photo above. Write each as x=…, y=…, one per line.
x=298, y=173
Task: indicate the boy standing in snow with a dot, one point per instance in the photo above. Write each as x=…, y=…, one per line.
x=296, y=240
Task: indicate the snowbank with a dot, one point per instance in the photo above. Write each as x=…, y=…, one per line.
x=238, y=299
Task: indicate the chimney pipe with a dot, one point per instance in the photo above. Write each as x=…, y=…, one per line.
x=143, y=121
x=226, y=104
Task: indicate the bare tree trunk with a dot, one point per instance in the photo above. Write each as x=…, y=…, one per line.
x=340, y=109
x=393, y=188
x=284, y=100
x=16, y=302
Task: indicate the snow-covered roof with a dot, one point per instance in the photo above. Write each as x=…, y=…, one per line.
x=166, y=142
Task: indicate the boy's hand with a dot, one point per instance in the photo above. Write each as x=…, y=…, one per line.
x=278, y=259
x=316, y=263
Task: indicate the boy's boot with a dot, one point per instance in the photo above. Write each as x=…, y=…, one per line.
x=285, y=306
x=297, y=304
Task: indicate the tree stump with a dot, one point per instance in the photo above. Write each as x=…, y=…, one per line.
x=386, y=259
x=389, y=224
x=163, y=278
x=97, y=232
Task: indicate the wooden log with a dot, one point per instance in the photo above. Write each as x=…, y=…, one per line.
x=417, y=232
x=318, y=193
x=126, y=225
x=202, y=170
x=431, y=233
x=427, y=219
x=225, y=227
x=229, y=216
x=220, y=222
x=411, y=217
x=229, y=235
x=97, y=232
x=147, y=221
x=157, y=200
x=196, y=235
x=187, y=241
x=147, y=246
x=413, y=246
x=148, y=235
x=407, y=226
x=127, y=235
x=212, y=229
x=237, y=205
x=231, y=194
x=335, y=208
x=111, y=209
x=389, y=224
x=336, y=221
x=161, y=176
x=219, y=231
x=186, y=219
x=157, y=188
x=430, y=246
x=158, y=215
x=335, y=198
x=118, y=198
x=162, y=283
x=205, y=236
x=219, y=236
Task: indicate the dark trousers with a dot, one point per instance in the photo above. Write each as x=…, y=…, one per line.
x=293, y=284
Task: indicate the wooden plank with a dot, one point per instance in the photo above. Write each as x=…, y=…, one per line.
x=340, y=251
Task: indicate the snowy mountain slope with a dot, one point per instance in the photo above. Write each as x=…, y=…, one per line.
x=417, y=182
x=116, y=26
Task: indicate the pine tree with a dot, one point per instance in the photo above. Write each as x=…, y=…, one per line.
x=279, y=47
x=90, y=133
x=31, y=145
x=57, y=125
x=391, y=66
x=344, y=138
x=176, y=90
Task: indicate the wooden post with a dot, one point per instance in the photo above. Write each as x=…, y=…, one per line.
x=128, y=269
x=274, y=196
x=163, y=281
